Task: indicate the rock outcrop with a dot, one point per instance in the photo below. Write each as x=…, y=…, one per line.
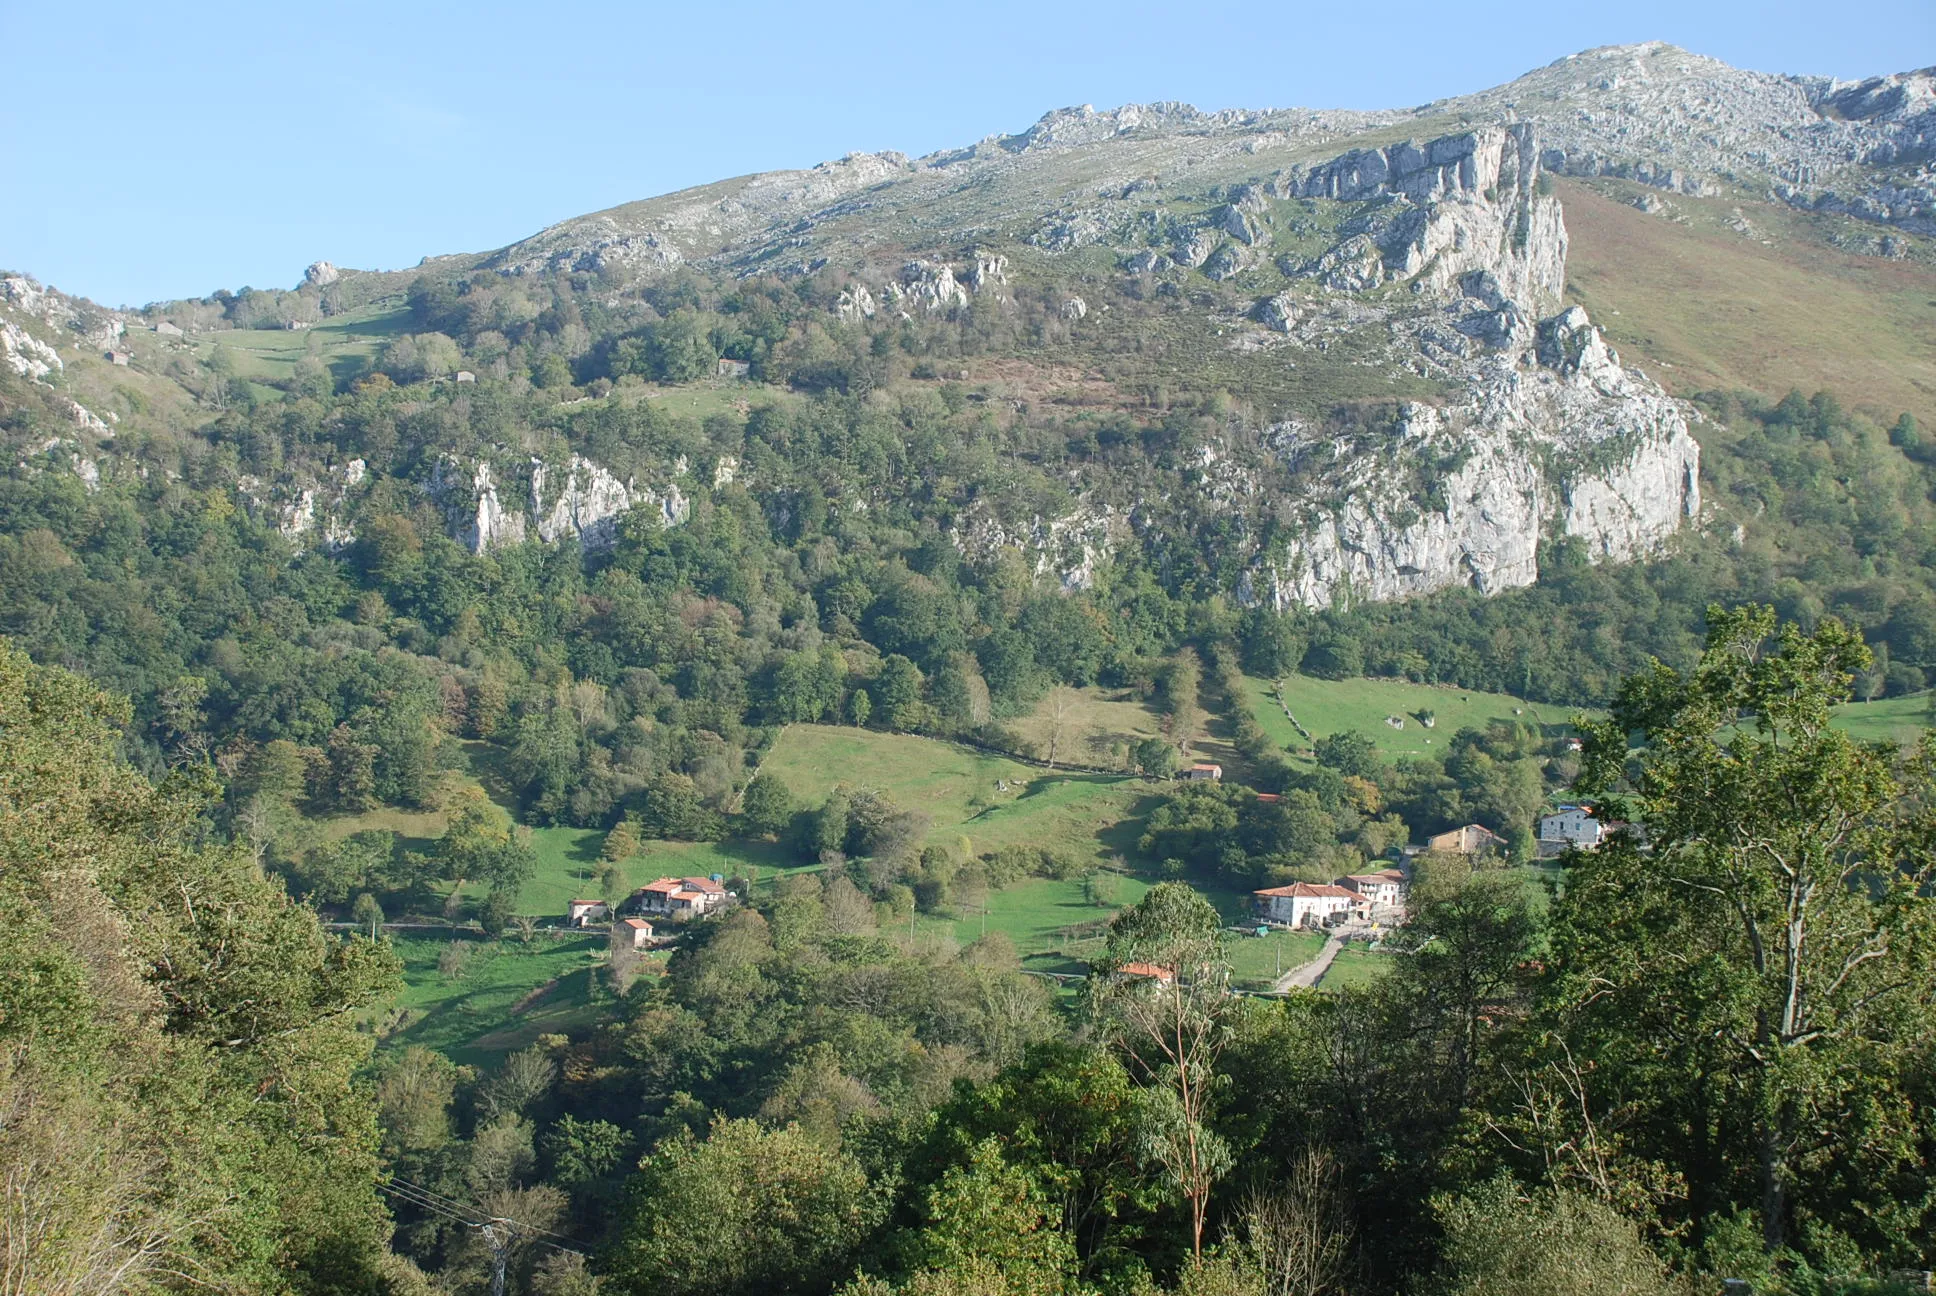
x=579, y=499
x=1558, y=440
x=1440, y=211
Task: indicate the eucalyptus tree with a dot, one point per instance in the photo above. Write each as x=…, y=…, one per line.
x=1161, y=992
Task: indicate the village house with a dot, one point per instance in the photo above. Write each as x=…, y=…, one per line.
x=1469, y=840
x=1574, y=827
x=581, y=913
x=631, y=933
x=734, y=368
x=678, y=897
x=1384, y=889
x=1307, y=904
x=1203, y=770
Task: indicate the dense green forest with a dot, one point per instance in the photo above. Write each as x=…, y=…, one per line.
x=1707, y=1058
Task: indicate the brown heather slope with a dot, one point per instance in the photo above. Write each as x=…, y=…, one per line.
x=1700, y=305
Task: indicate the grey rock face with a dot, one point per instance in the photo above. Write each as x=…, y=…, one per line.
x=321, y=274
x=1279, y=313
x=1443, y=210
x=1462, y=496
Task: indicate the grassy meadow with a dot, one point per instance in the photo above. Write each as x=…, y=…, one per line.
x=505, y=995
x=1354, y=968
x=991, y=800
x=1326, y=707
x=347, y=344
x=1719, y=293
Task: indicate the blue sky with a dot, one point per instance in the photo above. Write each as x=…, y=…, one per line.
x=159, y=151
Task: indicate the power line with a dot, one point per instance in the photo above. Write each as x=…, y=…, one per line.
x=475, y=1217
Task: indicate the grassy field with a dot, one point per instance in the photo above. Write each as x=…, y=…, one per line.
x=1256, y=961
x=348, y=344
x=1355, y=967
x=991, y=800
x=1335, y=706
x=1099, y=726
x=507, y=995
x=1898, y=719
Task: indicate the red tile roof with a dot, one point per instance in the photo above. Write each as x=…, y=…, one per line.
x=1309, y=890
x=1149, y=970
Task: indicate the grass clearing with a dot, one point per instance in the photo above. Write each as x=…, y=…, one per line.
x=1768, y=308
x=1900, y=720
x=506, y=996
x=1257, y=961
x=347, y=344
x=991, y=800
x=1098, y=726
x=1326, y=707
x=1354, y=968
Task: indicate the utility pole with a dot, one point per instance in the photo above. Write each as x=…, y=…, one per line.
x=498, y=1242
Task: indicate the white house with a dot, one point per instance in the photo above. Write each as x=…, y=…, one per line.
x=1204, y=771
x=679, y=897
x=579, y=913
x=1573, y=827
x=1307, y=904
x=1384, y=889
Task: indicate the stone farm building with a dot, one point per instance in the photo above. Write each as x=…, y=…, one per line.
x=1204, y=770
x=631, y=933
x=1469, y=840
x=678, y=897
x=1307, y=904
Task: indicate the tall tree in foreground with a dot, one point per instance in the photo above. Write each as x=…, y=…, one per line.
x=1162, y=992
x=1755, y=985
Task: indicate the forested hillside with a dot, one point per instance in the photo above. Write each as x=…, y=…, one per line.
x=984, y=572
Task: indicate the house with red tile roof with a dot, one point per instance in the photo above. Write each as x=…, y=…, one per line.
x=691, y=897
x=1307, y=904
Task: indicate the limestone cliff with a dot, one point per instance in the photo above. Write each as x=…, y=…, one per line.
x=1556, y=440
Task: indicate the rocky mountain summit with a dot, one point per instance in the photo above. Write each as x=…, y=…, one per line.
x=1652, y=112
x=1411, y=259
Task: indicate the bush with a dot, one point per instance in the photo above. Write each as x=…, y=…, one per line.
x=1503, y=1240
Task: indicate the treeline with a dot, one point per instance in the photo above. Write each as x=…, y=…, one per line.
x=1581, y=1092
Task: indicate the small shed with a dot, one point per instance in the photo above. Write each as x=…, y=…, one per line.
x=466, y=376
x=632, y=933
x=116, y=357
x=734, y=368
x=1204, y=770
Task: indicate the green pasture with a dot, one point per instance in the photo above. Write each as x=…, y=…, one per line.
x=1326, y=707
x=506, y=996
x=1354, y=968
x=991, y=800
x=1900, y=720
x=348, y=344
